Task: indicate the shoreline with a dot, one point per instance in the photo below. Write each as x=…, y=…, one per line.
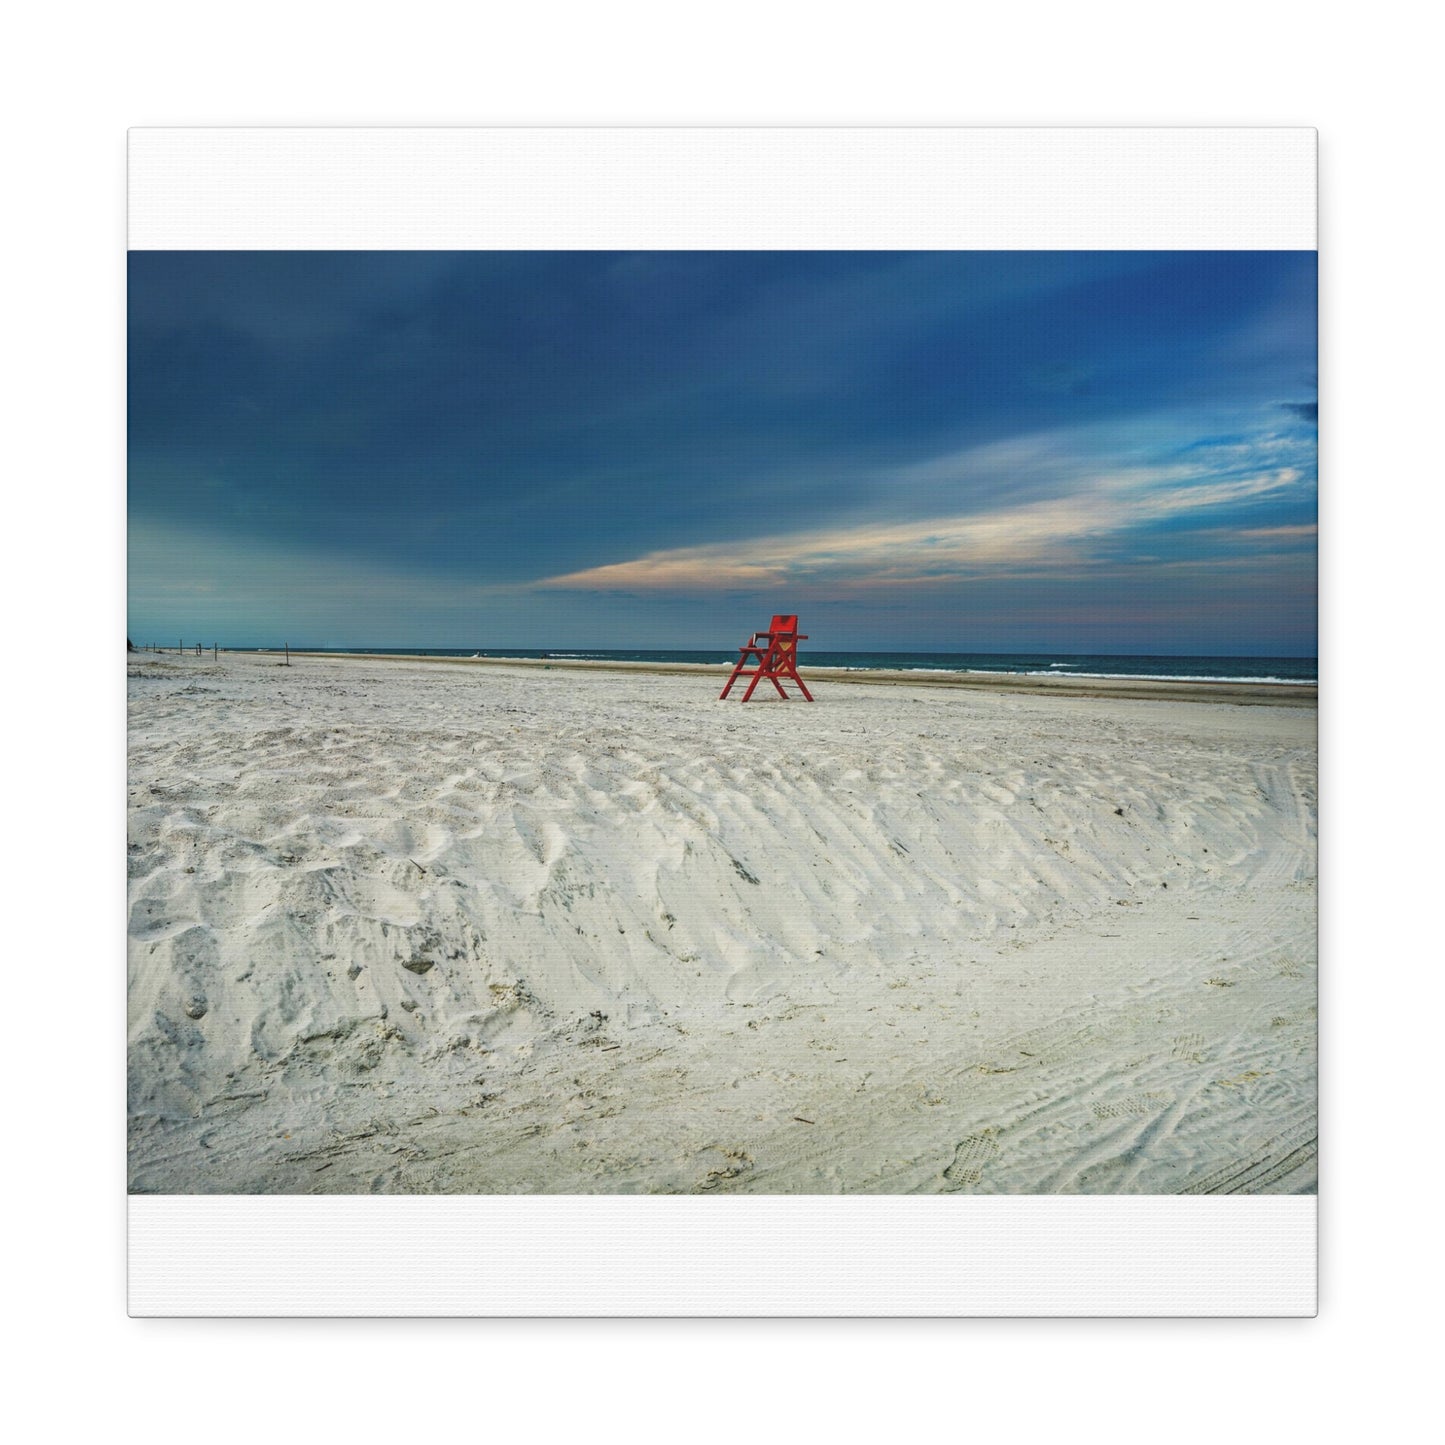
x=1224, y=690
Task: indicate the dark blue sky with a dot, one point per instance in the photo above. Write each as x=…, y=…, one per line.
x=972, y=451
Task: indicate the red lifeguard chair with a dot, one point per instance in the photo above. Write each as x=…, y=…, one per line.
x=775, y=653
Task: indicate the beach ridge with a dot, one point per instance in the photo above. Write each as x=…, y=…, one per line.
x=414, y=928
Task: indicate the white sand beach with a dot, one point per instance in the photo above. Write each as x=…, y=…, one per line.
x=435, y=926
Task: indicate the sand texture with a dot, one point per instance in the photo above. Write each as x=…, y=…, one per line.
x=404, y=926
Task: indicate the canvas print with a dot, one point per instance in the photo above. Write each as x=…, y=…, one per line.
x=722, y=722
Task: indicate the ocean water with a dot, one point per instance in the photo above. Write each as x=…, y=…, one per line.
x=1180, y=667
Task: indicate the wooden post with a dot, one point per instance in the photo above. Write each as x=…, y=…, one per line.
x=287, y=646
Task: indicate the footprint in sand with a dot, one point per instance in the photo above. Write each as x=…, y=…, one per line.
x=969, y=1159
x=1148, y=1103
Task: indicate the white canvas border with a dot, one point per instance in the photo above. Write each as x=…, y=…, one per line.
x=722, y=188
x=775, y=1256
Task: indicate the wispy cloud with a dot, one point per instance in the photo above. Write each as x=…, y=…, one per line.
x=1070, y=531
x=1277, y=534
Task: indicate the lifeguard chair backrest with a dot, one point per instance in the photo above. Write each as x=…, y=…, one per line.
x=783, y=632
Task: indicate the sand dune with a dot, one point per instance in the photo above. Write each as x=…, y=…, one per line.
x=404, y=926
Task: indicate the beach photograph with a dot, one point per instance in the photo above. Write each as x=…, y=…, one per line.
x=722, y=722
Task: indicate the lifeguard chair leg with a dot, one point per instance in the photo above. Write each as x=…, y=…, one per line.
x=766, y=670
x=748, y=650
x=785, y=661
x=731, y=680
x=758, y=676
